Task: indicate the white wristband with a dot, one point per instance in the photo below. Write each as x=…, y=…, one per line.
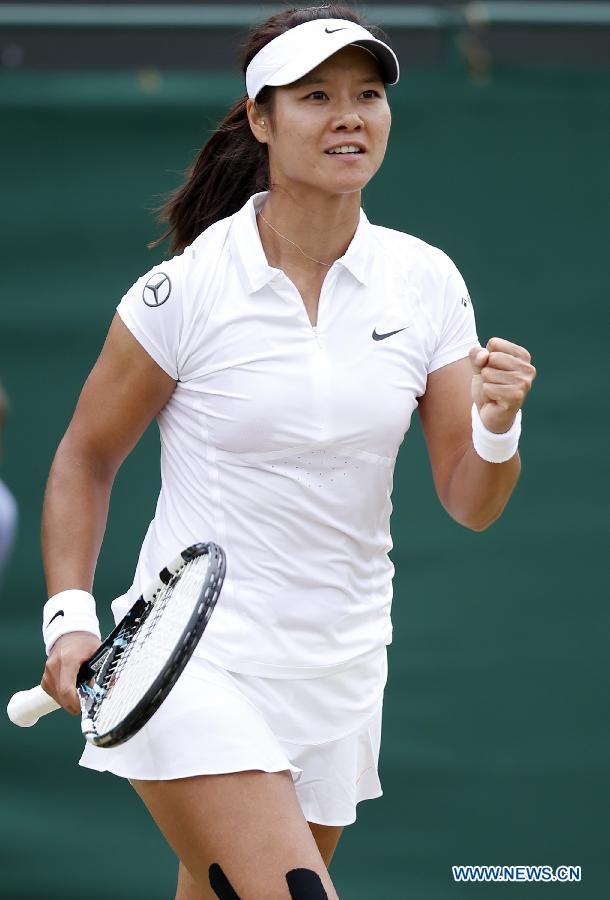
x=492, y=447
x=72, y=610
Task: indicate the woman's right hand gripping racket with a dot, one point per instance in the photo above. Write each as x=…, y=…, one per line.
x=134, y=669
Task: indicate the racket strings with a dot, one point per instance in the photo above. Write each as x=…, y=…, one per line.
x=145, y=654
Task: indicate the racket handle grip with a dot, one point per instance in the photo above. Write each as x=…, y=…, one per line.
x=26, y=707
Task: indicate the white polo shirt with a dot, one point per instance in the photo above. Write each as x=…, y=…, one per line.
x=280, y=439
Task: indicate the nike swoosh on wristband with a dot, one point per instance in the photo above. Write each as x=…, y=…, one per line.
x=58, y=613
x=332, y=30
x=382, y=337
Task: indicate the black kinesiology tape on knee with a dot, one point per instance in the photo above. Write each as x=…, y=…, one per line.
x=221, y=885
x=304, y=884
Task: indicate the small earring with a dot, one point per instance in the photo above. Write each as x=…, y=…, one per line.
x=263, y=122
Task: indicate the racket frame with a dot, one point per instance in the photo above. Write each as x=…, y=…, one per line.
x=134, y=618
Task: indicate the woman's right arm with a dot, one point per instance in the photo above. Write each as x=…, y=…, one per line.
x=124, y=392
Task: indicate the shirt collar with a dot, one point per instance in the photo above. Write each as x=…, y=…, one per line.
x=357, y=258
x=250, y=260
x=246, y=248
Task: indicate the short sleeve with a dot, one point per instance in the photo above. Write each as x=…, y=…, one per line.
x=152, y=309
x=458, y=331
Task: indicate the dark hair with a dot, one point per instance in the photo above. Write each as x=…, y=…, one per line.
x=233, y=165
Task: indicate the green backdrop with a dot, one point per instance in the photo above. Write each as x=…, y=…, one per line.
x=495, y=740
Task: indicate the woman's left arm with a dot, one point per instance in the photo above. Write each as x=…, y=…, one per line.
x=497, y=379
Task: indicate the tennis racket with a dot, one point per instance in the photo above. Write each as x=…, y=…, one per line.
x=132, y=672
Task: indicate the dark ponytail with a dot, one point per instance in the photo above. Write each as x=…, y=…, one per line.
x=233, y=165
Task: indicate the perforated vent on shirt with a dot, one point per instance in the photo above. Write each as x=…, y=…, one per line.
x=319, y=468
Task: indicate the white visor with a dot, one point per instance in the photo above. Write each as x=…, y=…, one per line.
x=297, y=51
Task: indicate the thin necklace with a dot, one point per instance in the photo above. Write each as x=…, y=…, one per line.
x=326, y=265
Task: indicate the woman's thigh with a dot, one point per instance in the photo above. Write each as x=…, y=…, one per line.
x=325, y=836
x=242, y=835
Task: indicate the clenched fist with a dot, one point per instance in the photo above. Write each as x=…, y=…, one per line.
x=502, y=376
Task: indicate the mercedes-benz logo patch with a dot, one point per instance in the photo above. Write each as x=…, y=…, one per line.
x=157, y=289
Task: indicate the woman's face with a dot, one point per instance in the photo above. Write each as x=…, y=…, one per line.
x=341, y=103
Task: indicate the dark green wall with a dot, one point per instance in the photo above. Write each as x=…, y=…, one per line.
x=495, y=742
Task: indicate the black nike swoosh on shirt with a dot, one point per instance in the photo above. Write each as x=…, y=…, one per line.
x=59, y=613
x=332, y=30
x=382, y=337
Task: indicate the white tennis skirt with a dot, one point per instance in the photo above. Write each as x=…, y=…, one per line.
x=325, y=730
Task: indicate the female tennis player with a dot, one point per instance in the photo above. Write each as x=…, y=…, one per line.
x=283, y=349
